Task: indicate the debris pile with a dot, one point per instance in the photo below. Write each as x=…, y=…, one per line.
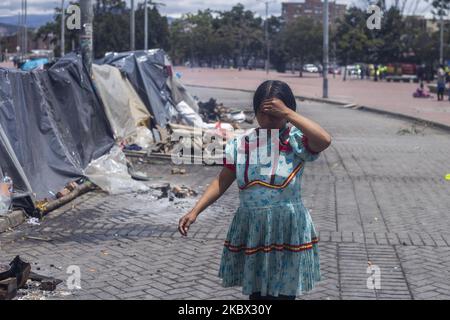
x=166, y=190
x=183, y=192
x=176, y=139
x=415, y=128
x=211, y=111
x=17, y=279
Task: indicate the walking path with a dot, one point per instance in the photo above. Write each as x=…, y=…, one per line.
x=385, y=96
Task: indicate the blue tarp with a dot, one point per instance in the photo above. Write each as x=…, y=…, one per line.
x=34, y=64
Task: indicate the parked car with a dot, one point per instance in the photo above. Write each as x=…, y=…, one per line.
x=334, y=69
x=310, y=68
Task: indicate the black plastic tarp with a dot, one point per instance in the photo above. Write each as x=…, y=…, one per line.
x=54, y=122
x=10, y=166
x=148, y=74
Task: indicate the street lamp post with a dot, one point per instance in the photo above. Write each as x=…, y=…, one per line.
x=267, y=37
x=441, y=33
x=132, y=27
x=86, y=38
x=145, y=26
x=63, y=42
x=25, y=29
x=325, y=49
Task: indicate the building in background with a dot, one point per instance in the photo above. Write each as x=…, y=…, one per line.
x=312, y=9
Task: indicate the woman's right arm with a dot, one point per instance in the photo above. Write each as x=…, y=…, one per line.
x=214, y=191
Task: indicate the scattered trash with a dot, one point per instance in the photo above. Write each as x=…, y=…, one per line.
x=447, y=176
x=136, y=175
x=164, y=189
x=13, y=277
x=238, y=116
x=211, y=111
x=6, y=190
x=183, y=192
x=38, y=238
x=110, y=173
x=132, y=147
x=34, y=221
x=172, y=192
x=46, y=283
x=8, y=288
x=178, y=171
x=188, y=116
x=415, y=128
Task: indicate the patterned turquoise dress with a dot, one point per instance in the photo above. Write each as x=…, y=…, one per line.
x=271, y=246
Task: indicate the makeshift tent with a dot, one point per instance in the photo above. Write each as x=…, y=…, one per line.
x=180, y=93
x=148, y=73
x=55, y=123
x=10, y=166
x=123, y=107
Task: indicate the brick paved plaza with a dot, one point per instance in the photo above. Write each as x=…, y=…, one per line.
x=377, y=195
x=381, y=95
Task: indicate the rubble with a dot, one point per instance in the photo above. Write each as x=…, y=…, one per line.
x=183, y=191
x=13, y=277
x=211, y=111
x=178, y=171
x=17, y=279
x=8, y=288
x=171, y=192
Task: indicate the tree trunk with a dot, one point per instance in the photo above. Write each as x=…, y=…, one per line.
x=345, y=72
x=301, y=68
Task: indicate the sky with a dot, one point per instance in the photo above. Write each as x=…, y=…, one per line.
x=176, y=8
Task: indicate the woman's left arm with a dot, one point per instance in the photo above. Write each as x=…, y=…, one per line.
x=318, y=138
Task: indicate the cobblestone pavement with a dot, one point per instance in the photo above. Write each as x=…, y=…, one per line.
x=376, y=195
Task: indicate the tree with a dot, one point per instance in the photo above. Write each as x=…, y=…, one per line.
x=53, y=30
x=158, y=31
x=303, y=40
x=112, y=28
x=210, y=36
x=351, y=39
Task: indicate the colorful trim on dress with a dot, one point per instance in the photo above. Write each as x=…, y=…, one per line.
x=274, y=186
x=269, y=248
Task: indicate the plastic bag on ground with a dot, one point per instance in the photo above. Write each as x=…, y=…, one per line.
x=189, y=116
x=143, y=138
x=110, y=173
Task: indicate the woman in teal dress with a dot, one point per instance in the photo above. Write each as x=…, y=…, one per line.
x=271, y=248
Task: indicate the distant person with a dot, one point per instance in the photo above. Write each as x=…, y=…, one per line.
x=421, y=92
x=441, y=77
x=240, y=63
x=271, y=249
x=16, y=62
x=421, y=74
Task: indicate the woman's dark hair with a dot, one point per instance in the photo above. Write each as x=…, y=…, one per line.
x=274, y=89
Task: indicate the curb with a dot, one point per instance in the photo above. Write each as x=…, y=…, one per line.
x=347, y=105
x=12, y=220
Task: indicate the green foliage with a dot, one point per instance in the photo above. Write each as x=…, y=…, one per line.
x=303, y=40
x=211, y=37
